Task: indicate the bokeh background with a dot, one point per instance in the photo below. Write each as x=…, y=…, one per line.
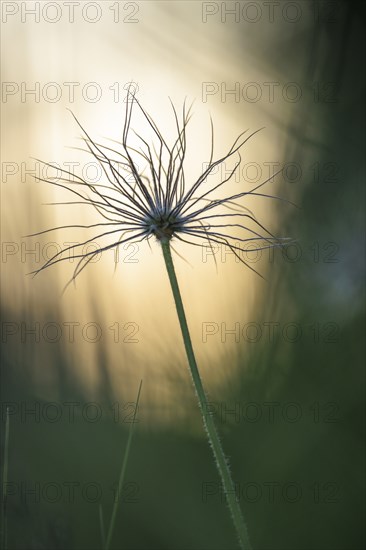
x=287, y=387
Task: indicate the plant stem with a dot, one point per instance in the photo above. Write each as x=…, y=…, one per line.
x=208, y=421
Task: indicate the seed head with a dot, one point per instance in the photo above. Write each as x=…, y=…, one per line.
x=155, y=201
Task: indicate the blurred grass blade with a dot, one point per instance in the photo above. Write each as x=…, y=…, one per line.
x=122, y=474
x=101, y=524
x=4, y=526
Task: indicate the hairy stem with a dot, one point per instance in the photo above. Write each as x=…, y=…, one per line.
x=208, y=421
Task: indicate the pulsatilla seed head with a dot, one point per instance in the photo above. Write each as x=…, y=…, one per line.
x=163, y=226
x=143, y=194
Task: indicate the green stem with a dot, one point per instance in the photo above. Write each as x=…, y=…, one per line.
x=208, y=421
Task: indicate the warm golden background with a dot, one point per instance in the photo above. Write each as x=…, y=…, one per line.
x=169, y=52
x=176, y=49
